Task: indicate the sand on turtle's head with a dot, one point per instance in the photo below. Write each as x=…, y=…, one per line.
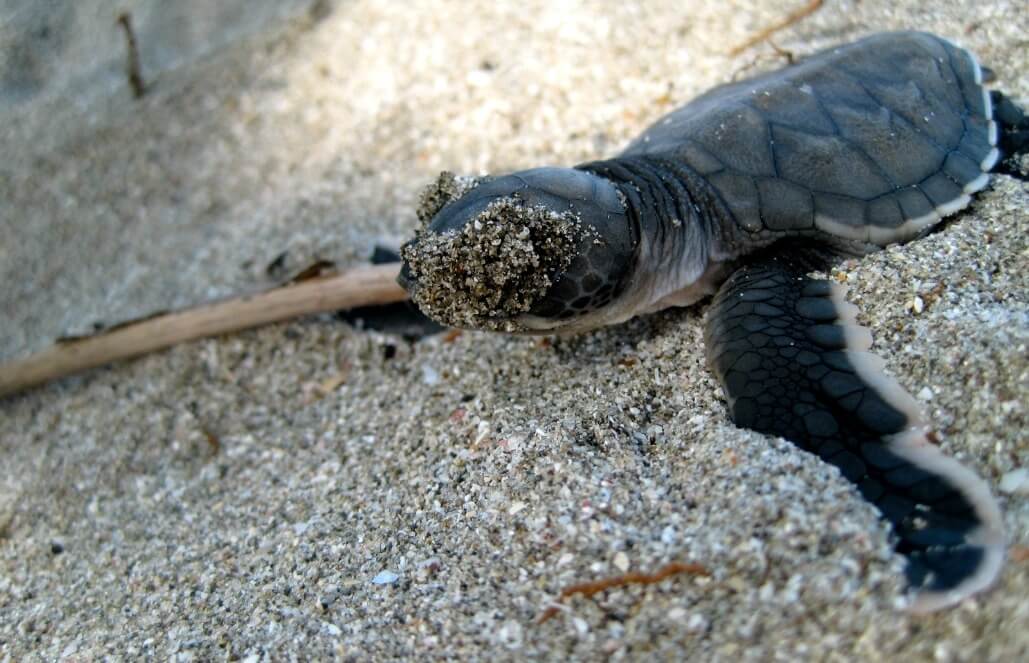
x=446, y=187
x=494, y=268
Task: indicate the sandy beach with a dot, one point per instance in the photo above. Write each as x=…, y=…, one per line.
x=314, y=490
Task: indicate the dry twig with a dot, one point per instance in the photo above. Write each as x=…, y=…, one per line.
x=796, y=16
x=133, y=69
x=364, y=286
x=634, y=578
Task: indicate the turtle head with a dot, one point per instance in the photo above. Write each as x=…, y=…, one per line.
x=538, y=251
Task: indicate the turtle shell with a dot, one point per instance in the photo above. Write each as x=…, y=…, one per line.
x=873, y=141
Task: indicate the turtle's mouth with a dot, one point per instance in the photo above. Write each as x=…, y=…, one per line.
x=491, y=271
x=405, y=279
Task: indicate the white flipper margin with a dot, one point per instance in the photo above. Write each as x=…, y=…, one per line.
x=913, y=445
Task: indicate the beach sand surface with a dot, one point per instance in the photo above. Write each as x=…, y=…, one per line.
x=314, y=490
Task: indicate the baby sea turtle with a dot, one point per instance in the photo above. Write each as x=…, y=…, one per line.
x=741, y=193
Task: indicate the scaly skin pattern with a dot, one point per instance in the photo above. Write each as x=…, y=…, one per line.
x=793, y=362
x=743, y=192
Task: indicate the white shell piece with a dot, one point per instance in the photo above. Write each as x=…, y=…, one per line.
x=991, y=159
x=954, y=205
x=978, y=183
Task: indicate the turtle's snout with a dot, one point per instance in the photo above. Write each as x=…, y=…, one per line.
x=484, y=269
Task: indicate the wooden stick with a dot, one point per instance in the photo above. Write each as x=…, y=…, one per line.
x=363, y=286
x=805, y=11
x=632, y=578
x=133, y=68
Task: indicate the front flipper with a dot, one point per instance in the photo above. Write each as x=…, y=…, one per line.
x=793, y=362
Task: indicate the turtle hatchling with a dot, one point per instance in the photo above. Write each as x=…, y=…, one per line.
x=741, y=194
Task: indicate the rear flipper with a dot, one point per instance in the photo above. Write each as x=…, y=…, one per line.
x=1014, y=134
x=793, y=362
